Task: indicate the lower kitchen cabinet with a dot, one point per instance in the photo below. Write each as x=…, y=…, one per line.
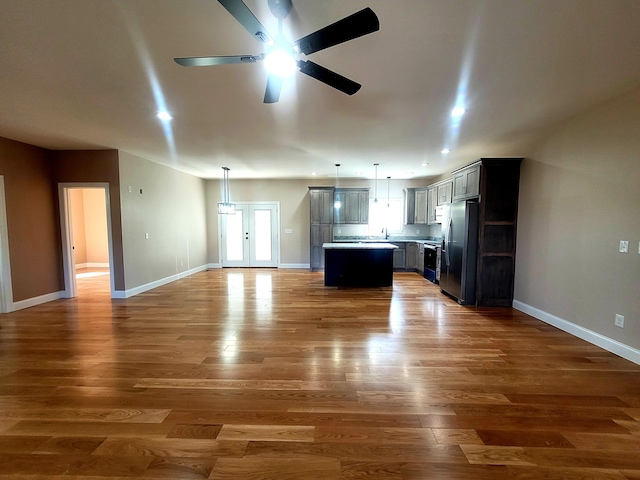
x=411, y=257
x=320, y=233
x=399, y=255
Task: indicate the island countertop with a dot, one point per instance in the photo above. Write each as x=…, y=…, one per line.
x=360, y=246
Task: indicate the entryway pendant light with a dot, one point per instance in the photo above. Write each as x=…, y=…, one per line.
x=337, y=203
x=375, y=185
x=226, y=207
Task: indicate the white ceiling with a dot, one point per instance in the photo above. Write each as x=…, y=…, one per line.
x=84, y=74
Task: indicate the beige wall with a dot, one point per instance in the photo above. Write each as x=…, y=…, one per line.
x=579, y=196
x=171, y=209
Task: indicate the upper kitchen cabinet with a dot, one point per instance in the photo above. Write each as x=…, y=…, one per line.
x=354, y=205
x=466, y=183
x=421, y=206
x=432, y=203
x=409, y=206
x=321, y=204
x=415, y=204
x=444, y=192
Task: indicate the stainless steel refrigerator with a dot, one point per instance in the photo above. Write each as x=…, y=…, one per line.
x=459, y=251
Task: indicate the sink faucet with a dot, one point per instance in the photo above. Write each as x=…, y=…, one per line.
x=385, y=230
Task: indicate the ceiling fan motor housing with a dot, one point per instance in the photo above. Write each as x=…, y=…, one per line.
x=280, y=8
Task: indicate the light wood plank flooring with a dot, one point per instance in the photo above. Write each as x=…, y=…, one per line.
x=267, y=374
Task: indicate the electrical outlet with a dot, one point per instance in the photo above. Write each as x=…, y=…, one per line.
x=619, y=321
x=146, y=235
x=418, y=231
x=624, y=246
x=181, y=263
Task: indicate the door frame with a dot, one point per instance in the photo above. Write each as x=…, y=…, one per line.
x=276, y=221
x=6, y=287
x=68, y=260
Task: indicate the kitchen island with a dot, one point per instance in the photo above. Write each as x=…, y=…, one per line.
x=358, y=264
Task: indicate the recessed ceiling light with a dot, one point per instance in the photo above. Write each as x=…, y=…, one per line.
x=313, y=174
x=445, y=150
x=165, y=116
x=458, y=112
x=424, y=164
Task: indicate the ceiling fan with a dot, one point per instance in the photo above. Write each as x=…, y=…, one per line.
x=280, y=53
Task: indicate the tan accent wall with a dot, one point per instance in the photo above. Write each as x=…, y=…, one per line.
x=96, y=166
x=95, y=219
x=76, y=199
x=579, y=196
x=89, y=223
x=32, y=220
x=170, y=207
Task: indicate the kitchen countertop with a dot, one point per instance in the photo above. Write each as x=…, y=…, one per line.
x=360, y=246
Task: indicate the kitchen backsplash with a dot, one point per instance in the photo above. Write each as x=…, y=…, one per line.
x=419, y=231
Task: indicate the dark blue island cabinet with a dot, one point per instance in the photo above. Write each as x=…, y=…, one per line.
x=358, y=264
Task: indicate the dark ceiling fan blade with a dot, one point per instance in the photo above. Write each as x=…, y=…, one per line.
x=209, y=61
x=329, y=77
x=247, y=19
x=274, y=86
x=354, y=26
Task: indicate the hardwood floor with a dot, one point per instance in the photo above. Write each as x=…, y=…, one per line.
x=267, y=374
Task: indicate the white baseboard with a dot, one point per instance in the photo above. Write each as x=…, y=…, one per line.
x=32, y=302
x=613, y=346
x=282, y=265
x=158, y=283
x=92, y=265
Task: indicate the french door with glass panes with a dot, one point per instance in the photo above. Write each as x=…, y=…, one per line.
x=250, y=236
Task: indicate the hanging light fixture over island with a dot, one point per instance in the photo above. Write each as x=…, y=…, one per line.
x=226, y=207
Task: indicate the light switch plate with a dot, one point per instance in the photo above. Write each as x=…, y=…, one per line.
x=624, y=246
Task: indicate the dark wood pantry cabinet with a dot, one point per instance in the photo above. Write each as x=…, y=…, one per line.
x=498, y=195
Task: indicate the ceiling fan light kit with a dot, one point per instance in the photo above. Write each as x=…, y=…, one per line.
x=280, y=55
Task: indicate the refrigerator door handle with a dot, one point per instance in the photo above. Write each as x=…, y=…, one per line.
x=449, y=241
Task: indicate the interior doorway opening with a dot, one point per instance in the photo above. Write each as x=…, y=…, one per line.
x=86, y=235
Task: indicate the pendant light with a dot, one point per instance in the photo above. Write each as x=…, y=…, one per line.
x=226, y=207
x=337, y=203
x=388, y=190
x=375, y=185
